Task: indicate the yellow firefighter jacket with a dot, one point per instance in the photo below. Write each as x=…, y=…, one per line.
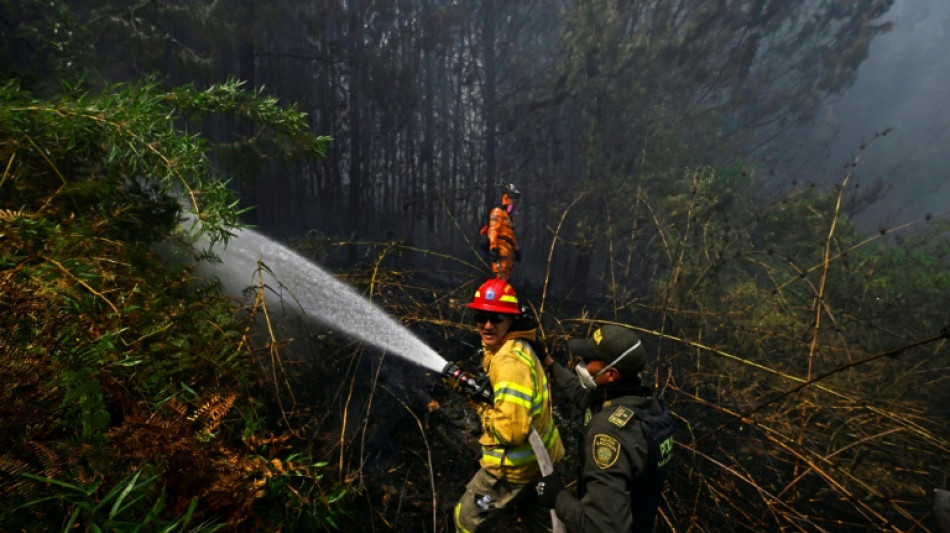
x=522, y=400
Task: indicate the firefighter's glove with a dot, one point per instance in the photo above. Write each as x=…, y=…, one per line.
x=517, y=256
x=548, y=489
x=479, y=388
x=494, y=254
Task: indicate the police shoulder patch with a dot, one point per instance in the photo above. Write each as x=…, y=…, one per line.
x=620, y=416
x=605, y=450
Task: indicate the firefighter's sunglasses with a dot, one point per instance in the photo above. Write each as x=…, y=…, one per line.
x=494, y=318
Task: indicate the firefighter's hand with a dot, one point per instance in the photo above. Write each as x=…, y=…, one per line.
x=517, y=256
x=555, y=356
x=495, y=253
x=548, y=489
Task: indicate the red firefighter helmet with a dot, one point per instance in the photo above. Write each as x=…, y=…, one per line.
x=496, y=296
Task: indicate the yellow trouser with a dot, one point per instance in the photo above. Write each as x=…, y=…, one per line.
x=487, y=498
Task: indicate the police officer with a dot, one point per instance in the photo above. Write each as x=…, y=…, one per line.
x=628, y=438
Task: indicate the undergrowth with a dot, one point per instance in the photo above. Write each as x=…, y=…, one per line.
x=806, y=363
x=128, y=394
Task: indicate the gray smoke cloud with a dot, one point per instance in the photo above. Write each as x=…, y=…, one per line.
x=904, y=86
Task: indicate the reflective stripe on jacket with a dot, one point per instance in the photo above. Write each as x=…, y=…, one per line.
x=522, y=400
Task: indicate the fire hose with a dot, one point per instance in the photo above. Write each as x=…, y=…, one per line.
x=481, y=390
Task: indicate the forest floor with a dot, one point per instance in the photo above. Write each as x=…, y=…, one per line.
x=408, y=442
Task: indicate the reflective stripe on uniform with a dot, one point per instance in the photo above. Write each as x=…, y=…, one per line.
x=537, y=404
x=527, y=398
x=514, y=456
x=550, y=435
x=458, y=523
x=507, y=391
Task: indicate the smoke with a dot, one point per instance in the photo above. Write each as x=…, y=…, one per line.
x=904, y=87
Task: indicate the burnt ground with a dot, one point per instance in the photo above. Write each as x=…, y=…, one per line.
x=408, y=442
x=410, y=439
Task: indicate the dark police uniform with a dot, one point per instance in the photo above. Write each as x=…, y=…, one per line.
x=627, y=445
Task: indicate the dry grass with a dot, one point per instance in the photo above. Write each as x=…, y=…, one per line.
x=801, y=406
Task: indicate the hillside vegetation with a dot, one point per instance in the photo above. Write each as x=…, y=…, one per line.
x=806, y=362
x=129, y=398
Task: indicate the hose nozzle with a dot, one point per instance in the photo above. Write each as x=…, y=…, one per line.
x=480, y=389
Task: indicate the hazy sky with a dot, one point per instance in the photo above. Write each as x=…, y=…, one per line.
x=904, y=84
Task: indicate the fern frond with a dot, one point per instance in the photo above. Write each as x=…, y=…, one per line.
x=212, y=411
x=10, y=215
x=51, y=461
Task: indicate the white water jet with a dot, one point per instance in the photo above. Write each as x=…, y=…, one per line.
x=322, y=297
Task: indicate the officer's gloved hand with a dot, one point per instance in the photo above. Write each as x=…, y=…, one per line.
x=517, y=256
x=548, y=489
x=494, y=254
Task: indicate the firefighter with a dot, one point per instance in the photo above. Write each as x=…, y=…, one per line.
x=503, y=248
x=521, y=401
x=628, y=438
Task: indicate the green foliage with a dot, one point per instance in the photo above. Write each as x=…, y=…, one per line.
x=90, y=183
x=753, y=298
x=50, y=41
x=656, y=88
x=294, y=496
x=901, y=287
x=123, y=150
x=84, y=396
x=42, y=43
x=128, y=507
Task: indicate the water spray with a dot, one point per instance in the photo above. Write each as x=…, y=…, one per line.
x=329, y=301
x=320, y=296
